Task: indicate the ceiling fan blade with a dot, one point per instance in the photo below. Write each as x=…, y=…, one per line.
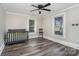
x=46, y=9
x=47, y=5
x=35, y=6
x=34, y=10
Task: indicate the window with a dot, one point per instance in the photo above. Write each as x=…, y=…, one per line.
x=59, y=25
x=31, y=25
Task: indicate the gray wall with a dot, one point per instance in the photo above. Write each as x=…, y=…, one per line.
x=72, y=32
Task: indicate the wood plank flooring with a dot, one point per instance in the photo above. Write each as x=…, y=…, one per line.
x=39, y=47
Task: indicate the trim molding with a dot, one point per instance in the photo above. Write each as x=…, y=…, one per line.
x=1, y=48
x=35, y=23
x=21, y=14
x=73, y=6
x=75, y=46
x=63, y=14
x=14, y=13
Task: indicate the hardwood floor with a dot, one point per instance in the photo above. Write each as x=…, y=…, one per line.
x=39, y=47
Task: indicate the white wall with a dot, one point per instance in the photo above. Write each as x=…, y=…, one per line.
x=14, y=21
x=19, y=21
x=72, y=32
x=2, y=27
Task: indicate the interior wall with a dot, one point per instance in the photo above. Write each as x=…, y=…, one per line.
x=14, y=21
x=72, y=32
x=2, y=28
x=18, y=21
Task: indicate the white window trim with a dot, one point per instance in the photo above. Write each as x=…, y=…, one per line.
x=34, y=25
x=64, y=24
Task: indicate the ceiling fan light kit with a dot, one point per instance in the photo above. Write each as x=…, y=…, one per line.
x=39, y=12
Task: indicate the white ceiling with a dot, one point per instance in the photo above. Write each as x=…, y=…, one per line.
x=25, y=8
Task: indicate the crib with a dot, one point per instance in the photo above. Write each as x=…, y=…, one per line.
x=14, y=36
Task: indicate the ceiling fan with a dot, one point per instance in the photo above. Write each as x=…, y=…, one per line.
x=41, y=7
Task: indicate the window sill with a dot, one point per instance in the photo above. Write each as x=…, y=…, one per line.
x=32, y=33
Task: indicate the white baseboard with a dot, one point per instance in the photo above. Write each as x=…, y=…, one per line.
x=1, y=48
x=76, y=46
